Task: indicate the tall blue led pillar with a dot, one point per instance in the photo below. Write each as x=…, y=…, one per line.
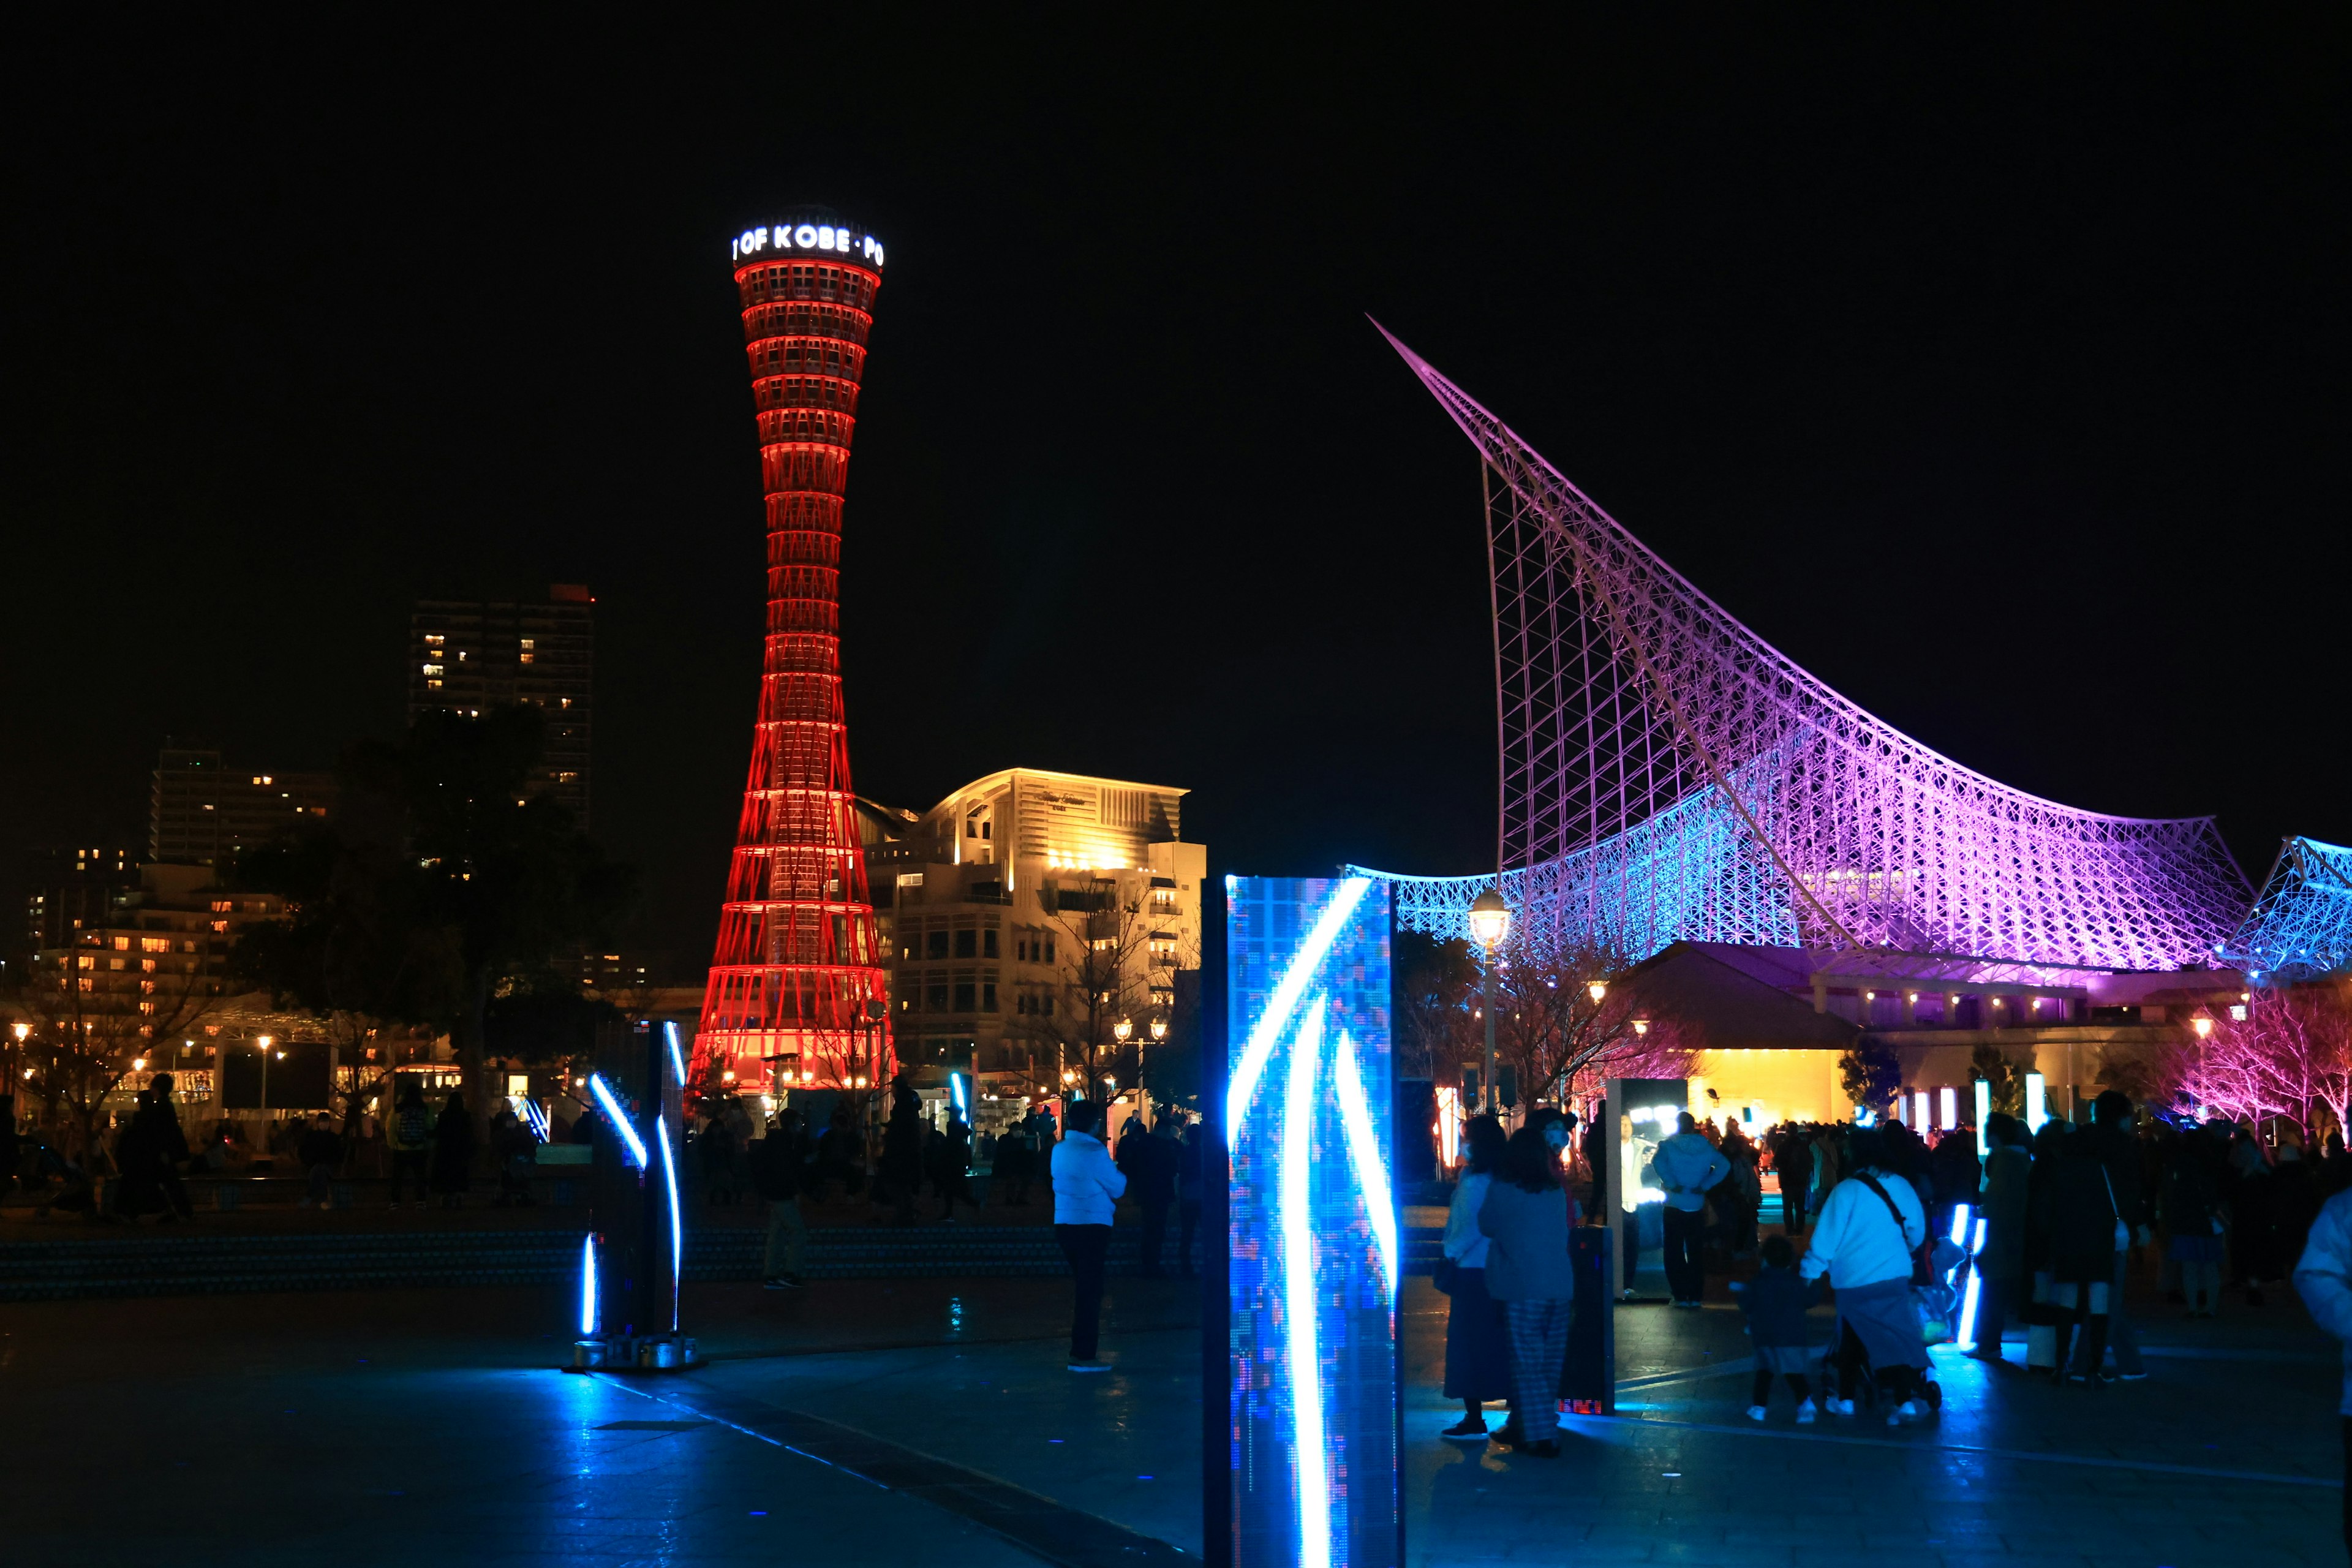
x=1312, y=1224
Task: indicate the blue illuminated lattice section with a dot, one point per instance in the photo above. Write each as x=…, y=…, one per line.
x=1313, y=1224
x=2302, y=923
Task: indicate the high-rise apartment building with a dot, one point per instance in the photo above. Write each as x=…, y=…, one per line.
x=202, y=812
x=470, y=655
x=73, y=888
x=796, y=973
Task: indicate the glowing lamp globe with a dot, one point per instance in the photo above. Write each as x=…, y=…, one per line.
x=1490, y=917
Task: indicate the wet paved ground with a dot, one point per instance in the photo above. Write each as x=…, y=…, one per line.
x=921, y=1421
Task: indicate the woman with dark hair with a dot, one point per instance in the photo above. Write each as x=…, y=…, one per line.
x=1870, y=1228
x=1525, y=1219
x=1477, y=1345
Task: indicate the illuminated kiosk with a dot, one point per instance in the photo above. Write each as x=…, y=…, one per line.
x=1312, y=1225
x=634, y=1256
x=797, y=962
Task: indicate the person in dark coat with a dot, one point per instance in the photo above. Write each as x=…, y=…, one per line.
x=137, y=1190
x=1152, y=1182
x=952, y=1157
x=1189, y=1172
x=1775, y=1302
x=1792, y=1162
x=2196, y=1238
x=2118, y=1151
x=319, y=1154
x=2083, y=1216
x=902, y=1150
x=515, y=1147
x=453, y=1153
x=2007, y=1174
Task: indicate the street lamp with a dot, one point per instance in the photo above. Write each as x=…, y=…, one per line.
x=265, y=1042
x=1596, y=989
x=1490, y=917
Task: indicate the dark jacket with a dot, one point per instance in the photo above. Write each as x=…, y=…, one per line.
x=2082, y=1216
x=1775, y=1302
x=2119, y=1151
x=2192, y=1194
x=776, y=1165
x=318, y=1147
x=453, y=1151
x=1154, y=1177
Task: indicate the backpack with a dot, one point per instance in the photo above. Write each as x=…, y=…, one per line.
x=414, y=1121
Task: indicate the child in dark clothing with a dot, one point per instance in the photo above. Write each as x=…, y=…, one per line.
x=1774, y=1303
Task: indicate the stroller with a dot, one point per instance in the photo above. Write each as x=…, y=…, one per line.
x=1945, y=1265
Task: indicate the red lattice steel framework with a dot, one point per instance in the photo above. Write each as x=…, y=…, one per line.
x=796, y=962
x=1668, y=775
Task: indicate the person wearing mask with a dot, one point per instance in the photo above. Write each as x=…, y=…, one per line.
x=1525, y=1225
x=453, y=1153
x=776, y=1163
x=1477, y=1344
x=1086, y=1189
x=2008, y=1169
x=1688, y=1166
x=408, y=1134
x=321, y=1151
x=1870, y=1229
x=2323, y=1278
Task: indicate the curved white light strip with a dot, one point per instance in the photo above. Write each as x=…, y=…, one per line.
x=1364, y=1149
x=1299, y=1296
x=1284, y=1000
x=588, y=1287
x=677, y=1056
x=676, y=1232
x=613, y=1113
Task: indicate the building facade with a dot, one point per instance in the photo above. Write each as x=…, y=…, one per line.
x=469, y=655
x=1027, y=916
x=71, y=887
x=204, y=812
x=795, y=977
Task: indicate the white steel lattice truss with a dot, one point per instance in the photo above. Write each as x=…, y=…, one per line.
x=1666, y=774
x=2302, y=924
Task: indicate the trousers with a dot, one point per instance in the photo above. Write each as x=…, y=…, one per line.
x=1685, y=1229
x=1538, y=1350
x=1086, y=1247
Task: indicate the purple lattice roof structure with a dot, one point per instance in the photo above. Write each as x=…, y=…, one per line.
x=1667, y=774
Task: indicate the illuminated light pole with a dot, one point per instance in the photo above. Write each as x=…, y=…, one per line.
x=1158, y=1032
x=265, y=1042
x=1490, y=917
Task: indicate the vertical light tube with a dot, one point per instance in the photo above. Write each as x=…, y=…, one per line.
x=1948, y=1108
x=1299, y=1297
x=2037, y=1101
x=676, y=1232
x=1967, y=1334
x=1984, y=1115
x=1959, y=1225
x=588, y=1287
x=1919, y=1112
x=677, y=1056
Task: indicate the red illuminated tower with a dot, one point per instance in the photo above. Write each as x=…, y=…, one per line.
x=796, y=967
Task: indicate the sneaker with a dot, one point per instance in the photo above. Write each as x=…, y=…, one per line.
x=2140, y=1376
x=1088, y=1363
x=1471, y=1426
x=1909, y=1410
x=1757, y=1413
x=794, y=1282
x=1807, y=1413
x=1510, y=1434
x=1838, y=1407
x=774, y=1282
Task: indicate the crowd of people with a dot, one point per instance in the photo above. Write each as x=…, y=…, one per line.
x=2057, y=1220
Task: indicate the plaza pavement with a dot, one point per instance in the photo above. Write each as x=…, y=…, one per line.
x=932, y=1421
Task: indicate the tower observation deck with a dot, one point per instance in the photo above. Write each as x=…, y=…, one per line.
x=795, y=982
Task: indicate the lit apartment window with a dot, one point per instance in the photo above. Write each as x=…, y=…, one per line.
x=222, y=906
x=116, y=962
x=433, y=639
x=566, y=702
x=220, y=925
x=434, y=669
x=87, y=961
x=155, y=944
x=123, y=943
x=432, y=686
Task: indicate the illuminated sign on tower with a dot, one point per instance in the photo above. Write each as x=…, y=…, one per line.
x=796, y=966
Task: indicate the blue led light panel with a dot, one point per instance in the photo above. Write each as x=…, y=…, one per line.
x=1313, y=1224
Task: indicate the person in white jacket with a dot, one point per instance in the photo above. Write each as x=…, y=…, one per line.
x=1863, y=1241
x=2324, y=1279
x=1087, y=1187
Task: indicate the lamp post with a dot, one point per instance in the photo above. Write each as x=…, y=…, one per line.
x=1490, y=917
x=1158, y=1034
x=1122, y=1031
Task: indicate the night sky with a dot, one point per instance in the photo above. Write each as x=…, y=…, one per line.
x=1992, y=366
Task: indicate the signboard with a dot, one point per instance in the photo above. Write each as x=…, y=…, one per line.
x=1312, y=1224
